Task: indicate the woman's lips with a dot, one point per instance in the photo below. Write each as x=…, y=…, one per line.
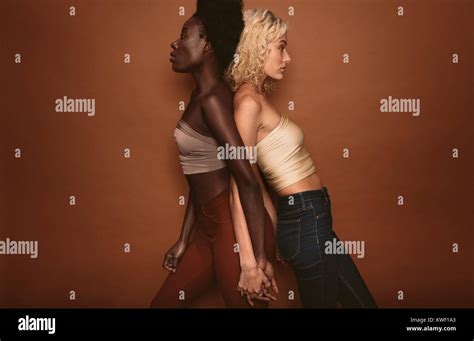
x=172, y=57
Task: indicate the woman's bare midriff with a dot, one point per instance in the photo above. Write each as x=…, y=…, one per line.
x=206, y=186
x=312, y=182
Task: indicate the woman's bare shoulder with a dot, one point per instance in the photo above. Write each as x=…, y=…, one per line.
x=247, y=101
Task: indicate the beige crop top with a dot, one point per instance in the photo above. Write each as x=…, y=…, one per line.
x=282, y=157
x=197, y=153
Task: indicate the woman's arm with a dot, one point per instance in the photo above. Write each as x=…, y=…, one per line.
x=189, y=220
x=220, y=120
x=248, y=264
x=247, y=117
x=242, y=236
x=247, y=257
x=177, y=250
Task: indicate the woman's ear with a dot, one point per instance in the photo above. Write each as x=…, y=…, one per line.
x=207, y=47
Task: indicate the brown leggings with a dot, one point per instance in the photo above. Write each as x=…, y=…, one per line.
x=209, y=257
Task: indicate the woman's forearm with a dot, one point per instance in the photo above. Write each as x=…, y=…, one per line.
x=268, y=203
x=242, y=236
x=247, y=256
x=251, y=202
x=220, y=120
x=188, y=222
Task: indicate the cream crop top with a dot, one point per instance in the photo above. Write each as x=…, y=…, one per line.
x=197, y=153
x=282, y=157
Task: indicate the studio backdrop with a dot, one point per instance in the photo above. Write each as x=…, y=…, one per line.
x=92, y=194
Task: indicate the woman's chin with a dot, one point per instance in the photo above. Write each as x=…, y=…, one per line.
x=176, y=68
x=277, y=76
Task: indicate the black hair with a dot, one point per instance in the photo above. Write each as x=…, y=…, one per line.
x=222, y=21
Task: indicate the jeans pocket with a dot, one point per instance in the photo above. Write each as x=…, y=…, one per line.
x=324, y=224
x=288, y=236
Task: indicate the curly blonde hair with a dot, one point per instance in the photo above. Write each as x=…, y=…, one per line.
x=262, y=27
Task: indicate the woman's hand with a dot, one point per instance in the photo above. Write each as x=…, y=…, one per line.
x=173, y=255
x=279, y=257
x=270, y=274
x=253, y=284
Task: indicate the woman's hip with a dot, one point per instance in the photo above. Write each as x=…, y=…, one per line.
x=304, y=223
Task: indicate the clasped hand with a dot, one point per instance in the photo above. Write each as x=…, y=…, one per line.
x=257, y=283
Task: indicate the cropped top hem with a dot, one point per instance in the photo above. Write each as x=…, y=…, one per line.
x=282, y=157
x=197, y=152
x=284, y=184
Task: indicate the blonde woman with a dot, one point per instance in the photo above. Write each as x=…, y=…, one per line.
x=303, y=215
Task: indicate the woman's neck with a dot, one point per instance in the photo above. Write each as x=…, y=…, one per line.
x=207, y=76
x=257, y=88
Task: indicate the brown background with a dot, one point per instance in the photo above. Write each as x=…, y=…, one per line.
x=135, y=200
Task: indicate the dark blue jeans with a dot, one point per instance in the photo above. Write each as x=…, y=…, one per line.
x=324, y=278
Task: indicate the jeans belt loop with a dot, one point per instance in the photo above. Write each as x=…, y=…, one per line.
x=301, y=198
x=326, y=197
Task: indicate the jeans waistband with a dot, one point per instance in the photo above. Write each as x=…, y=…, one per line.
x=299, y=199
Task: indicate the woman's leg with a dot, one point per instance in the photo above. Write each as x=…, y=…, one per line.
x=315, y=271
x=353, y=292
x=334, y=279
x=323, y=278
x=228, y=267
x=227, y=264
x=194, y=275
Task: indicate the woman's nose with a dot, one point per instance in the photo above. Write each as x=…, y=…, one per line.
x=174, y=45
